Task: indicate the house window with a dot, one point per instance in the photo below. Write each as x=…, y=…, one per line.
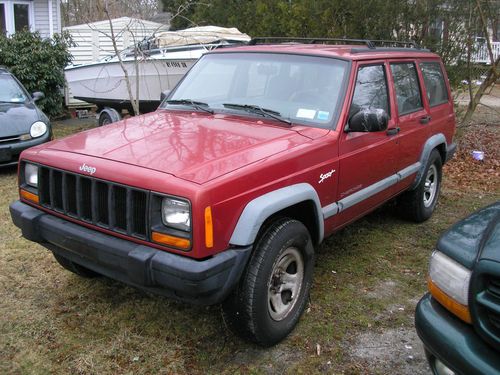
x=3, y=23
x=15, y=16
x=21, y=17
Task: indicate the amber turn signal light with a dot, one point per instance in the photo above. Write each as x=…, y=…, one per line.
x=29, y=196
x=165, y=239
x=209, y=228
x=450, y=304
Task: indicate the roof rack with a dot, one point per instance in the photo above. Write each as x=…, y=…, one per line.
x=372, y=44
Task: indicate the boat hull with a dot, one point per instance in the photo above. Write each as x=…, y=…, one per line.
x=104, y=83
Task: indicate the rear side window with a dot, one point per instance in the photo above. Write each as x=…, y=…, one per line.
x=407, y=87
x=434, y=83
x=370, y=90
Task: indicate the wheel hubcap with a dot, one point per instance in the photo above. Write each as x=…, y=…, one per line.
x=285, y=283
x=430, y=186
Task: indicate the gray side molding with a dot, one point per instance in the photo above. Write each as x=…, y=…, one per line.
x=259, y=209
x=431, y=144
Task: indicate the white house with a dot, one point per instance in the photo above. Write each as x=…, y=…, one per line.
x=43, y=16
x=93, y=40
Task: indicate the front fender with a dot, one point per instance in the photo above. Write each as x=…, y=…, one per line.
x=258, y=210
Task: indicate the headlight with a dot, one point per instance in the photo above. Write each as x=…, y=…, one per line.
x=38, y=129
x=449, y=284
x=176, y=213
x=31, y=175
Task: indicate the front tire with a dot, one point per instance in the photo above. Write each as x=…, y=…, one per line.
x=274, y=289
x=419, y=204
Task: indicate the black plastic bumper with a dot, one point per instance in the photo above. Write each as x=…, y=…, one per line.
x=201, y=282
x=9, y=153
x=452, y=341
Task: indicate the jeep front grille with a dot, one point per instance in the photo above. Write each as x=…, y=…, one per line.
x=115, y=207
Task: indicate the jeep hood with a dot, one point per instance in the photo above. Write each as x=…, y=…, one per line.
x=197, y=147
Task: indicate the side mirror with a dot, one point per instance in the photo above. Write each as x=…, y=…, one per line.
x=164, y=94
x=37, y=95
x=368, y=120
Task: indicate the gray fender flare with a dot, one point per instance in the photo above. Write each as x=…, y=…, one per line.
x=430, y=144
x=258, y=210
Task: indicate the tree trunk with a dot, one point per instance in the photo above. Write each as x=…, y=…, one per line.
x=491, y=78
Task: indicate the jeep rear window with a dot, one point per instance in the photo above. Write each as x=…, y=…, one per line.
x=303, y=89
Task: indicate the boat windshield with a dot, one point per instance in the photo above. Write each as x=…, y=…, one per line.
x=10, y=91
x=299, y=89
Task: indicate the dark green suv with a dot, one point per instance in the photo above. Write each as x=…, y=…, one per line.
x=459, y=320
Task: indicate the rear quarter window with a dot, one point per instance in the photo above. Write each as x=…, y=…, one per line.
x=437, y=93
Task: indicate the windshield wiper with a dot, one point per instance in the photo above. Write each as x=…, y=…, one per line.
x=259, y=110
x=197, y=105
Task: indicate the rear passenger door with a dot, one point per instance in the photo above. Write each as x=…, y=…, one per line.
x=438, y=98
x=412, y=118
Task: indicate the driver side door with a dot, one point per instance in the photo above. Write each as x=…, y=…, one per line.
x=367, y=160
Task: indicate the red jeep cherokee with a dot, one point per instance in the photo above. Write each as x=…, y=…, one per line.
x=256, y=156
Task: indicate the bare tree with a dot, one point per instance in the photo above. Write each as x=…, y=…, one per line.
x=493, y=73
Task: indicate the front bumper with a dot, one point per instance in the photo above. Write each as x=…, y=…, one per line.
x=9, y=152
x=452, y=341
x=203, y=282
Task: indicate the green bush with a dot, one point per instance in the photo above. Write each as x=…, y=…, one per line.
x=39, y=64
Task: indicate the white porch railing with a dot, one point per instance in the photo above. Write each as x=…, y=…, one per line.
x=482, y=56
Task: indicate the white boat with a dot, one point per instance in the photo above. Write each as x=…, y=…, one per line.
x=153, y=66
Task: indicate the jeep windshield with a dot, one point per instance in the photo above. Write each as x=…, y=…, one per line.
x=300, y=89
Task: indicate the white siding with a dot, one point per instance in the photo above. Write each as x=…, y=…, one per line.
x=93, y=40
x=41, y=13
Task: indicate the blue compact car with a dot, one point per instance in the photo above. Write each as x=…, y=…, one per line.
x=22, y=123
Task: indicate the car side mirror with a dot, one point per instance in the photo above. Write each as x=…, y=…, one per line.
x=368, y=120
x=37, y=95
x=164, y=94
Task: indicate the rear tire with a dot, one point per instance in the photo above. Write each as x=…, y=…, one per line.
x=75, y=268
x=419, y=204
x=274, y=290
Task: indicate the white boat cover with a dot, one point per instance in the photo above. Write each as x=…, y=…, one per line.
x=199, y=35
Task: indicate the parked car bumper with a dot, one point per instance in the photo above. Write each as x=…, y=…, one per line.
x=9, y=153
x=452, y=342
x=201, y=282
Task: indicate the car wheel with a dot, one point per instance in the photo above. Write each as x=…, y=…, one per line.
x=419, y=204
x=75, y=268
x=105, y=119
x=274, y=289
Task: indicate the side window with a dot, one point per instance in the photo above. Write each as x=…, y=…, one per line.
x=3, y=22
x=407, y=87
x=371, y=89
x=435, y=86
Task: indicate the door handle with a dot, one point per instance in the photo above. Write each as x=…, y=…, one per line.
x=425, y=120
x=392, y=131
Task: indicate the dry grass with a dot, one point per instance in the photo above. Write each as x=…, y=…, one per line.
x=52, y=321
